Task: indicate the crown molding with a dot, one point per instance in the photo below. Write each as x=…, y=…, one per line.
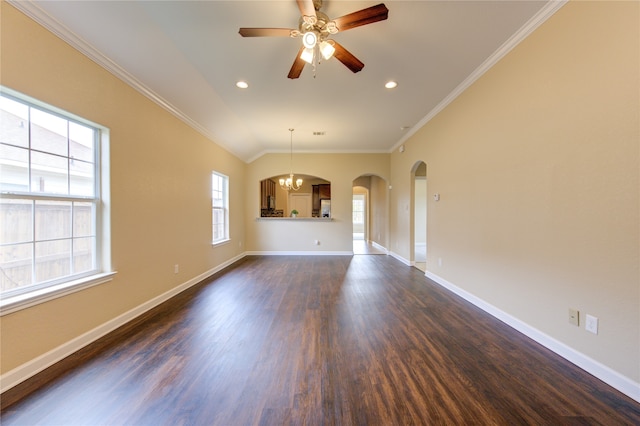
x=60, y=30
x=34, y=12
x=549, y=9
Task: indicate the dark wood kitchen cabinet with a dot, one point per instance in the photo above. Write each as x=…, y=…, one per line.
x=318, y=193
x=325, y=191
x=267, y=193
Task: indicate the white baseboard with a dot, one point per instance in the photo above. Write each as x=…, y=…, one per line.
x=400, y=258
x=36, y=365
x=601, y=371
x=299, y=253
x=379, y=247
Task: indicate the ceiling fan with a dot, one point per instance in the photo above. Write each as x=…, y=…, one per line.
x=315, y=28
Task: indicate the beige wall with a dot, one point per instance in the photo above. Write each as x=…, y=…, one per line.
x=287, y=235
x=379, y=211
x=537, y=167
x=160, y=190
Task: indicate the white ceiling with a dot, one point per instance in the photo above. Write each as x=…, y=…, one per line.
x=188, y=55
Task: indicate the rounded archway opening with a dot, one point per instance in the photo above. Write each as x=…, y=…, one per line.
x=370, y=214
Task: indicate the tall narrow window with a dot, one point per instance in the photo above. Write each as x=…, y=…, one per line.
x=358, y=209
x=220, y=206
x=50, y=221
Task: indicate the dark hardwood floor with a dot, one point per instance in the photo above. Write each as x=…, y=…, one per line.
x=326, y=340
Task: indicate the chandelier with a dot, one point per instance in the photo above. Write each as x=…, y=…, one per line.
x=288, y=184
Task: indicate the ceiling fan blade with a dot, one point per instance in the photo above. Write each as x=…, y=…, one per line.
x=307, y=9
x=344, y=56
x=298, y=65
x=265, y=32
x=362, y=17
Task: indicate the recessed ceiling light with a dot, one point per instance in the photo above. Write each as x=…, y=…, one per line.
x=242, y=84
x=390, y=84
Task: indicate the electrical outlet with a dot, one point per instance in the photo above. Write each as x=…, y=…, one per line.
x=591, y=324
x=574, y=317
x=176, y=268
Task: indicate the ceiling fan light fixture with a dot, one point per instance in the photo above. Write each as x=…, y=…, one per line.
x=309, y=39
x=327, y=50
x=307, y=55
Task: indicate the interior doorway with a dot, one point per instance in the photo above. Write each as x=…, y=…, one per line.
x=359, y=214
x=419, y=176
x=369, y=215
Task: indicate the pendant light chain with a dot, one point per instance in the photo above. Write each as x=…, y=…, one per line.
x=289, y=184
x=291, y=152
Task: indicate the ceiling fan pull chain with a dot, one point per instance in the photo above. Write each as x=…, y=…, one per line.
x=316, y=57
x=313, y=62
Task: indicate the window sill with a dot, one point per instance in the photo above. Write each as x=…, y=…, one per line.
x=23, y=301
x=221, y=242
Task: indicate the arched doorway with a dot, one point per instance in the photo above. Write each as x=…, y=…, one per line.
x=419, y=228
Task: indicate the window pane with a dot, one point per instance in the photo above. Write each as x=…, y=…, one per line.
x=53, y=259
x=49, y=173
x=82, y=179
x=219, y=201
x=83, y=254
x=52, y=159
x=14, y=168
x=16, y=218
x=216, y=183
x=53, y=220
x=48, y=133
x=83, y=223
x=14, y=119
x=81, y=141
x=15, y=261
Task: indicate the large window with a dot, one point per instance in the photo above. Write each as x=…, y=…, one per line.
x=220, y=205
x=50, y=206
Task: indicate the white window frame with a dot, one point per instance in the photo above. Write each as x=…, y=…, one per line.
x=222, y=194
x=356, y=203
x=15, y=300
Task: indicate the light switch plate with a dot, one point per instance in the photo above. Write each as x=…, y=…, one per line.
x=574, y=317
x=591, y=324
